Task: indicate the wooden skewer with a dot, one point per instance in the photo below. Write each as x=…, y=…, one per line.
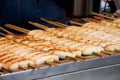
x=82, y=57
x=34, y=67
x=5, y=30
x=97, y=54
x=51, y=22
x=51, y=64
x=100, y=15
x=5, y=34
x=108, y=53
x=74, y=59
x=37, y=25
x=98, y=18
x=20, y=67
x=56, y=23
x=86, y=20
x=64, y=25
x=79, y=59
x=76, y=23
x=17, y=28
x=57, y=61
x=2, y=34
x=92, y=20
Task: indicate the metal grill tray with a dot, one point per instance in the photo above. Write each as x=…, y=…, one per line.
x=63, y=68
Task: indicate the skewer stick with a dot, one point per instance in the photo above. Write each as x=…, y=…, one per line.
x=97, y=54
x=6, y=30
x=16, y=28
x=57, y=61
x=82, y=57
x=2, y=34
x=89, y=20
x=86, y=20
x=100, y=15
x=92, y=20
x=33, y=66
x=20, y=67
x=98, y=18
x=76, y=23
x=61, y=24
x=108, y=53
x=51, y=64
x=37, y=25
x=51, y=22
x=5, y=34
x=79, y=59
x=74, y=59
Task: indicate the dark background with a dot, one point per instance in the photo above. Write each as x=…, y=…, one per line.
x=19, y=12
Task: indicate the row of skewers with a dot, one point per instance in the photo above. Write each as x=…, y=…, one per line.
x=106, y=20
x=50, y=45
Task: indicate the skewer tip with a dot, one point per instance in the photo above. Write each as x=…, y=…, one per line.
x=51, y=64
x=97, y=54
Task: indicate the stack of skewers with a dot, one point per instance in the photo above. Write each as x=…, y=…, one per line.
x=51, y=45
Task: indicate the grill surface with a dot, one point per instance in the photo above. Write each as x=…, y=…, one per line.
x=67, y=69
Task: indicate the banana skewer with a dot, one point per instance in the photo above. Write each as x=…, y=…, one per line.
x=112, y=22
x=28, y=53
x=102, y=16
x=46, y=46
x=98, y=18
x=67, y=43
x=79, y=38
x=60, y=51
x=111, y=30
x=12, y=62
x=106, y=28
